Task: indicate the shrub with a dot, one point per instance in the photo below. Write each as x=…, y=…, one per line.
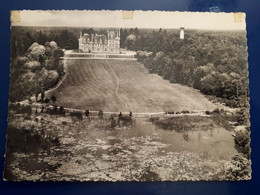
x=242, y=117
x=216, y=111
x=77, y=115
x=170, y=112
x=242, y=138
x=87, y=113
x=100, y=114
x=185, y=111
x=153, y=119
x=21, y=109
x=62, y=111
x=239, y=168
x=53, y=99
x=208, y=112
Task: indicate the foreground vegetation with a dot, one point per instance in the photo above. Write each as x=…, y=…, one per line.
x=64, y=146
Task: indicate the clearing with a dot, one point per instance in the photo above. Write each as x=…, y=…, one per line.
x=122, y=86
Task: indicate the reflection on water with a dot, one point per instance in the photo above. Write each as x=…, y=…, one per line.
x=217, y=143
x=141, y=151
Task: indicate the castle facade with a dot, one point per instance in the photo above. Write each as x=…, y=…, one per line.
x=108, y=43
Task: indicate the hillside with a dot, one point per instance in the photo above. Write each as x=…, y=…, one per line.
x=123, y=85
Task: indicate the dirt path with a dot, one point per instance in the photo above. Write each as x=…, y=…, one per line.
x=134, y=114
x=117, y=87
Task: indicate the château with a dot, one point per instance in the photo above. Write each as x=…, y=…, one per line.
x=106, y=43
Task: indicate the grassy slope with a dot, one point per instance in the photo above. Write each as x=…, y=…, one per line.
x=91, y=84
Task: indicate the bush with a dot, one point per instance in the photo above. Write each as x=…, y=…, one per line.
x=216, y=111
x=242, y=138
x=242, y=117
x=170, y=112
x=185, y=111
x=208, y=112
x=153, y=119
x=87, y=113
x=239, y=168
x=100, y=114
x=21, y=109
x=62, y=111
x=77, y=115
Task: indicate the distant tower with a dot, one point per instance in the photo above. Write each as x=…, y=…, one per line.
x=182, y=32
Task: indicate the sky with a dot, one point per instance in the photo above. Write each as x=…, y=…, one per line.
x=140, y=19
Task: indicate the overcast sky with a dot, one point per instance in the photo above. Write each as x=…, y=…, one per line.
x=141, y=19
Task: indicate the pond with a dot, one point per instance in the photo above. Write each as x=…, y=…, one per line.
x=217, y=143
x=87, y=150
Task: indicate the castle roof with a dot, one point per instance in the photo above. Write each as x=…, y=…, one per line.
x=95, y=37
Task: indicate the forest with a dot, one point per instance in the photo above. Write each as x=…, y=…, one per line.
x=213, y=62
x=36, y=65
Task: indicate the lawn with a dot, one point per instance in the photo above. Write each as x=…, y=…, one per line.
x=123, y=85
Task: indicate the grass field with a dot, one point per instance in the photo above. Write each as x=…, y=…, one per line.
x=123, y=85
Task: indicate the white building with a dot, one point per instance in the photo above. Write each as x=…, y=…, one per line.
x=108, y=43
x=182, y=32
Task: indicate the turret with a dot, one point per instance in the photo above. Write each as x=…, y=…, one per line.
x=182, y=32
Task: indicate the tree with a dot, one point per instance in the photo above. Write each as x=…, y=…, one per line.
x=33, y=66
x=53, y=99
x=44, y=80
x=67, y=40
x=33, y=46
x=37, y=52
x=53, y=45
x=100, y=114
x=130, y=41
x=87, y=113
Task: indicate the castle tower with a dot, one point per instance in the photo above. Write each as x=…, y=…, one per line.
x=113, y=40
x=80, y=40
x=182, y=32
x=117, y=42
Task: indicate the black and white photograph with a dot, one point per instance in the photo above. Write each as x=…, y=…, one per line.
x=128, y=96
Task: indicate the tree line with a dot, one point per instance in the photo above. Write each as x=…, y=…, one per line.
x=67, y=38
x=38, y=69
x=213, y=62
x=23, y=37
